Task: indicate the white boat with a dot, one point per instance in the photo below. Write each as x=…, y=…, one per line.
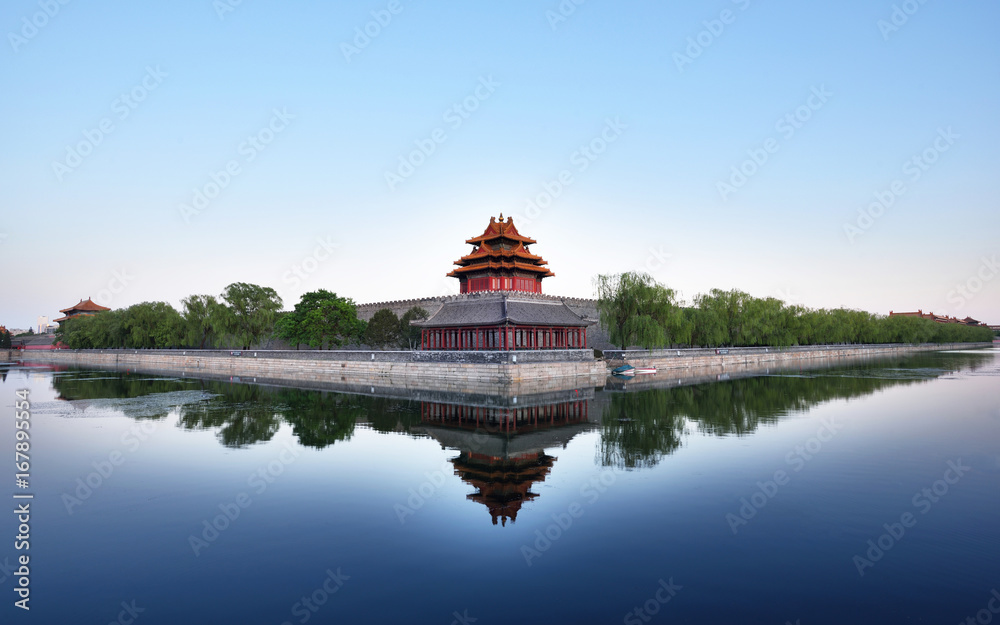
x=646, y=370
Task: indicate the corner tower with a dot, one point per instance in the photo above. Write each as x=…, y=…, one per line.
x=500, y=261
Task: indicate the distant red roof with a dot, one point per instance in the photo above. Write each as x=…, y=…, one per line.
x=968, y=321
x=86, y=305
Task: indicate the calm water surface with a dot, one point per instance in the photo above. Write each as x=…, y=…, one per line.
x=855, y=494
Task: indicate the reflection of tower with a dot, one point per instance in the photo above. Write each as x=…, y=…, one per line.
x=502, y=484
x=502, y=449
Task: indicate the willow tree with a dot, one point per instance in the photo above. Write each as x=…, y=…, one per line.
x=251, y=312
x=635, y=309
x=204, y=320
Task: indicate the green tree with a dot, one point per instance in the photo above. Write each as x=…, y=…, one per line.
x=251, y=312
x=410, y=334
x=204, y=320
x=321, y=318
x=152, y=325
x=106, y=329
x=383, y=329
x=5, y=341
x=636, y=310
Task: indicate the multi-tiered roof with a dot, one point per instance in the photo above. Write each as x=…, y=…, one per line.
x=501, y=306
x=501, y=261
x=85, y=308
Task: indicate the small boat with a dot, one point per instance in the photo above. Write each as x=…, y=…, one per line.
x=645, y=370
x=623, y=370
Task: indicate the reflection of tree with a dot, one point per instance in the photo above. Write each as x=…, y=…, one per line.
x=320, y=419
x=95, y=385
x=639, y=428
x=244, y=414
x=112, y=385
x=393, y=415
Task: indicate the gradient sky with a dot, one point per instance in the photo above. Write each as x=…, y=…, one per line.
x=110, y=227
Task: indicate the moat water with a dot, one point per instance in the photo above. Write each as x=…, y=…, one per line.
x=866, y=493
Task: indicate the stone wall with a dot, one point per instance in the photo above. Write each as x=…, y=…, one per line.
x=460, y=372
x=761, y=356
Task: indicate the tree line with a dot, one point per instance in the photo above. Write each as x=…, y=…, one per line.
x=636, y=310
x=244, y=315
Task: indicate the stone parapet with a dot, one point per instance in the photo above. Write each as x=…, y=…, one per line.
x=762, y=356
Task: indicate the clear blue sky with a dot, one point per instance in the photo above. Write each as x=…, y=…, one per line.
x=531, y=91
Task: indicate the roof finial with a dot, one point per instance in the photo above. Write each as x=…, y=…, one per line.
x=501, y=217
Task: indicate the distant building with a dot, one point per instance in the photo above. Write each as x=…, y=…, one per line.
x=43, y=325
x=85, y=308
x=968, y=321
